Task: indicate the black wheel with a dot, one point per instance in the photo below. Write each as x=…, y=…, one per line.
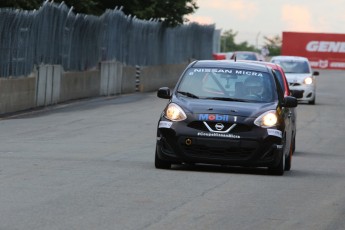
x=288, y=159
x=161, y=164
x=312, y=102
x=279, y=169
x=293, y=144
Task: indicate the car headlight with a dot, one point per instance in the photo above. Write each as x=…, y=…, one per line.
x=267, y=119
x=308, y=81
x=175, y=113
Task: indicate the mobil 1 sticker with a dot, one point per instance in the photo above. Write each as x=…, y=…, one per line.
x=216, y=117
x=212, y=117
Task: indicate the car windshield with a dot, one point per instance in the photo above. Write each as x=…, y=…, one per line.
x=227, y=85
x=294, y=66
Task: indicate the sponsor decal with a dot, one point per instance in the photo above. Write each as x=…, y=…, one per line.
x=251, y=73
x=165, y=124
x=340, y=65
x=326, y=46
x=229, y=71
x=213, y=117
x=224, y=135
x=323, y=64
x=323, y=50
x=279, y=146
x=274, y=132
x=328, y=64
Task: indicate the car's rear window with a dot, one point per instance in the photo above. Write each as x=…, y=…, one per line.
x=228, y=84
x=246, y=56
x=293, y=66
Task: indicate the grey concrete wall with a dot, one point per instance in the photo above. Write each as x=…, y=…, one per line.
x=17, y=94
x=128, y=79
x=77, y=85
x=111, y=78
x=49, y=84
x=154, y=77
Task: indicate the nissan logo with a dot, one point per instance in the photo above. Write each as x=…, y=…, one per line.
x=219, y=126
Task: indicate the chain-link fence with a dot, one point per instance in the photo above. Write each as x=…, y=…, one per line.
x=53, y=34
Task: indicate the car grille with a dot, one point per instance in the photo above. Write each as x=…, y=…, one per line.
x=294, y=84
x=220, y=149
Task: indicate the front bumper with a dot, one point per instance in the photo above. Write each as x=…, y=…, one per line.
x=252, y=148
x=308, y=91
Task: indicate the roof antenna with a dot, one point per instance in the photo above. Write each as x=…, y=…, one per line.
x=235, y=57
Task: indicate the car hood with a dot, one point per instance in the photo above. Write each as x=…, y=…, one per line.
x=243, y=109
x=296, y=77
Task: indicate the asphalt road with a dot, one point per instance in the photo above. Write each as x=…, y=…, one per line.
x=90, y=165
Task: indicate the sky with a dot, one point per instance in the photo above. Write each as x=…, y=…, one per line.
x=254, y=19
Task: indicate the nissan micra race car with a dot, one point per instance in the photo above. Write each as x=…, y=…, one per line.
x=226, y=113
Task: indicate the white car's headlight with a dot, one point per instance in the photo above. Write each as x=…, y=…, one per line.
x=175, y=113
x=308, y=81
x=267, y=119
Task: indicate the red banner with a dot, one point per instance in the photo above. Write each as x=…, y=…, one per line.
x=324, y=51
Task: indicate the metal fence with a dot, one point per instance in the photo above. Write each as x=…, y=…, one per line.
x=53, y=34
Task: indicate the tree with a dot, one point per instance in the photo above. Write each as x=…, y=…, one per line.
x=274, y=45
x=228, y=43
x=85, y=6
x=170, y=12
x=20, y=4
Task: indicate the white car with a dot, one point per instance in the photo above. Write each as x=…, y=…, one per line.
x=300, y=76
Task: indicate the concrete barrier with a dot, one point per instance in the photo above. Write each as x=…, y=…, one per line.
x=111, y=78
x=128, y=79
x=78, y=85
x=17, y=94
x=154, y=77
x=49, y=84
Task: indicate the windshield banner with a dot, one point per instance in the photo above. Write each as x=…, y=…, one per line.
x=324, y=51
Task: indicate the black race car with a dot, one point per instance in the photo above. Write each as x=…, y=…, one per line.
x=226, y=113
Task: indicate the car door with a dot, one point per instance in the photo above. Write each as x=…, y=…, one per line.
x=287, y=115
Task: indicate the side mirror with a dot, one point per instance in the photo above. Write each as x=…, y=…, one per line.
x=297, y=93
x=290, y=102
x=316, y=73
x=164, y=93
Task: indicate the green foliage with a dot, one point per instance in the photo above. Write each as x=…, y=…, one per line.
x=274, y=45
x=21, y=4
x=228, y=43
x=171, y=12
x=85, y=6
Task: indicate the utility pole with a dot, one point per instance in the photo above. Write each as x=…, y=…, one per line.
x=257, y=40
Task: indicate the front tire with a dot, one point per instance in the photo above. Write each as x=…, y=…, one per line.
x=294, y=144
x=312, y=102
x=279, y=169
x=288, y=159
x=161, y=164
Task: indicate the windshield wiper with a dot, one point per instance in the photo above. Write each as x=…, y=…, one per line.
x=226, y=99
x=188, y=94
